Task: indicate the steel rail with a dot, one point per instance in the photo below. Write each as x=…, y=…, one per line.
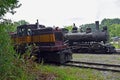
x=78, y=64
x=91, y=63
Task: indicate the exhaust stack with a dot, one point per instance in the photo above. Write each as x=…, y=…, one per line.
x=97, y=25
x=37, y=24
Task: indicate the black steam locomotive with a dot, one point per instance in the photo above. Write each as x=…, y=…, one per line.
x=89, y=41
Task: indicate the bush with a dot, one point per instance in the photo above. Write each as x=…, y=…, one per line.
x=11, y=68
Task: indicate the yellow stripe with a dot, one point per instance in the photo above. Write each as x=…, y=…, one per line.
x=44, y=38
x=25, y=39
x=37, y=38
x=28, y=38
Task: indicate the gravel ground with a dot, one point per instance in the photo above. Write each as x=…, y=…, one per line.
x=101, y=58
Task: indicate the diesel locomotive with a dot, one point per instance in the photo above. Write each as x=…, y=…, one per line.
x=47, y=43
x=89, y=41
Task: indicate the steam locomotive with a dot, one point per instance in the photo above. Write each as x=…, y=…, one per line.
x=47, y=43
x=89, y=41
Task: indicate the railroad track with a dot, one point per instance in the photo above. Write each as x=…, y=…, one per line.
x=97, y=66
x=117, y=52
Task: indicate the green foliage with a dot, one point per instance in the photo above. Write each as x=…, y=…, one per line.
x=113, y=26
x=8, y=6
x=116, y=45
x=21, y=22
x=12, y=26
x=68, y=73
x=5, y=53
x=9, y=26
x=11, y=68
x=92, y=26
x=114, y=30
x=69, y=27
x=108, y=22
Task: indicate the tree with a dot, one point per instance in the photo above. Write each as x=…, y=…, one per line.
x=109, y=22
x=21, y=22
x=8, y=6
x=91, y=25
x=69, y=27
x=12, y=26
x=113, y=26
x=114, y=30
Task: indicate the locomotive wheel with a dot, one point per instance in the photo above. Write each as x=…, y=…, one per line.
x=39, y=59
x=67, y=55
x=35, y=52
x=58, y=57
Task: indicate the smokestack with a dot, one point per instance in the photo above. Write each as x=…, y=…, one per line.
x=97, y=25
x=37, y=24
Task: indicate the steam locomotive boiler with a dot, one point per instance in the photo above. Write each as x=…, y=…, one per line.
x=89, y=41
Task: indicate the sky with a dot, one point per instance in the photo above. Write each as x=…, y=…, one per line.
x=66, y=12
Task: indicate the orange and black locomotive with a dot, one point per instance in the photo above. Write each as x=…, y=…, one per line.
x=48, y=41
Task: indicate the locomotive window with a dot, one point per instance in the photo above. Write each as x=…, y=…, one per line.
x=29, y=32
x=19, y=31
x=22, y=32
x=58, y=36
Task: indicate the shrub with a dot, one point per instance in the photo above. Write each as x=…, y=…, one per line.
x=11, y=68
